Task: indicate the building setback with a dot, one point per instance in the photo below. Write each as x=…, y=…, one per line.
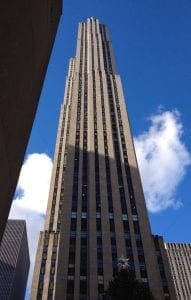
x=179, y=255
x=96, y=210
x=14, y=261
x=27, y=32
x=164, y=268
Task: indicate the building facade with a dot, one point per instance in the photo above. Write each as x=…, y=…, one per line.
x=164, y=268
x=179, y=255
x=27, y=32
x=14, y=261
x=96, y=210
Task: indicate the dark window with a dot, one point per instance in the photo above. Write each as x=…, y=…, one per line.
x=83, y=287
x=70, y=286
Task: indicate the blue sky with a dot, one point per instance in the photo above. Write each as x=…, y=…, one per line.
x=152, y=47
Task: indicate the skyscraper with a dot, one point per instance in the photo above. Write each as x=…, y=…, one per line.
x=27, y=32
x=96, y=210
x=14, y=261
x=179, y=255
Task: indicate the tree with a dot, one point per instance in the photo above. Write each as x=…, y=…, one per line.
x=125, y=286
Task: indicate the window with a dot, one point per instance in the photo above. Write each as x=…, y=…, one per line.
x=142, y=266
x=73, y=224
x=84, y=224
x=136, y=227
x=84, y=215
x=73, y=215
x=112, y=234
x=111, y=215
x=137, y=237
x=135, y=217
x=99, y=234
x=124, y=217
x=140, y=251
x=70, y=286
x=83, y=287
x=129, y=251
x=127, y=236
x=72, y=233
x=98, y=224
x=71, y=271
x=100, y=288
x=100, y=279
x=141, y=258
x=84, y=234
x=98, y=215
x=113, y=249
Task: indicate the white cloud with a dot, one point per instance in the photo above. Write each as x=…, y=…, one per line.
x=31, y=199
x=34, y=181
x=162, y=159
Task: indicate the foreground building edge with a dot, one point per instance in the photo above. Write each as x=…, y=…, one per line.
x=96, y=210
x=27, y=34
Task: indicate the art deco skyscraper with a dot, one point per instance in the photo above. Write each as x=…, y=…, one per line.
x=96, y=211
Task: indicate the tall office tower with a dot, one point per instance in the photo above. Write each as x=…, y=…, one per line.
x=27, y=32
x=179, y=255
x=14, y=261
x=96, y=211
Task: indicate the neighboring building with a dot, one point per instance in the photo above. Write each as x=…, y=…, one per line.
x=164, y=267
x=96, y=211
x=27, y=33
x=14, y=261
x=179, y=256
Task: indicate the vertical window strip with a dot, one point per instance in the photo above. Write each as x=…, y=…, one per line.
x=107, y=166
x=129, y=178
x=73, y=225
x=43, y=264
x=107, y=51
x=51, y=221
x=53, y=266
x=84, y=207
x=106, y=54
x=124, y=212
x=124, y=149
x=103, y=38
x=97, y=186
x=63, y=130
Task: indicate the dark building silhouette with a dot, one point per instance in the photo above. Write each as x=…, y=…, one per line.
x=164, y=268
x=96, y=211
x=27, y=33
x=14, y=261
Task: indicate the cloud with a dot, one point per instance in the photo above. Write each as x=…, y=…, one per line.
x=162, y=159
x=31, y=200
x=34, y=181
